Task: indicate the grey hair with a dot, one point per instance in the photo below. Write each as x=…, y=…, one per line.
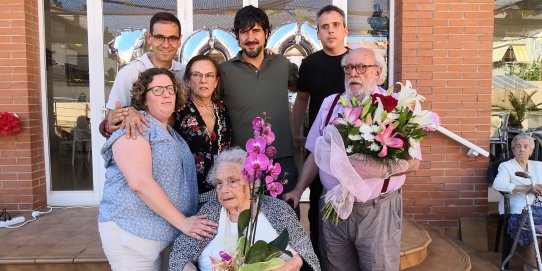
x=232, y=155
x=380, y=61
x=523, y=136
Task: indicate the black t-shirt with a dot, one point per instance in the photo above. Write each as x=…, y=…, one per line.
x=320, y=75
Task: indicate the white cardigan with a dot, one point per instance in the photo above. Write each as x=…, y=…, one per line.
x=507, y=180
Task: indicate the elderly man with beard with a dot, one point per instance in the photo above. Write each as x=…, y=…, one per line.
x=370, y=238
x=254, y=82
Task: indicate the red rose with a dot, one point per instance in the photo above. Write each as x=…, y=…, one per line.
x=9, y=123
x=388, y=102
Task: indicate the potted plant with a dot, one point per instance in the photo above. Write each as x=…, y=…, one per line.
x=519, y=104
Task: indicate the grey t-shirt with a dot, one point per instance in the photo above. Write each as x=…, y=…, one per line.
x=247, y=92
x=122, y=87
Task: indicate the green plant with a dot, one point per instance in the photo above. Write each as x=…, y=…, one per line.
x=520, y=104
x=529, y=72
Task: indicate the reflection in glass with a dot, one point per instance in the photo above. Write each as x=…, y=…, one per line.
x=517, y=60
x=68, y=95
x=281, y=12
x=210, y=14
x=127, y=19
x=368, y=26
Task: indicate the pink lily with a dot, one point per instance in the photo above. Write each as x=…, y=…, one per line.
x=256, y=145
x=352, y=114
x=388, y=140
x=256, y=162
x=275, y=188
x=268, y=135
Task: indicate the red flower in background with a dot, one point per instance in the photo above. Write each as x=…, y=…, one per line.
x=9, y=123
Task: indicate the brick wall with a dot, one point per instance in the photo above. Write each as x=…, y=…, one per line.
x=22, y=172
x=445, y=48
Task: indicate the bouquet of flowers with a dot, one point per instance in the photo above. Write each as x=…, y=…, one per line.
x=383, y=130
x=252, y=254
x=9, y=123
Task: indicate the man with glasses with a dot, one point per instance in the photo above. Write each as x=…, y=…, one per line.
x=370, y=238
x=320, y=75
x=164, y=38
x=254, y=82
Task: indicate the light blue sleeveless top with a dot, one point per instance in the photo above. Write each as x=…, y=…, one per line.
x=173, y=167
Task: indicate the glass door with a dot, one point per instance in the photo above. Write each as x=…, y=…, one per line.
x=68, y=102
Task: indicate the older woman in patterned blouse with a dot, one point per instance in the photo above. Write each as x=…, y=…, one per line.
x=203, y=121
x=150, y=193
x=233, y=197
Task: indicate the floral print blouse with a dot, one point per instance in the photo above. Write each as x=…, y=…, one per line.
x=204, y=146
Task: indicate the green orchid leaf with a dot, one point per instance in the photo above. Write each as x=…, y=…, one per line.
x=242, y=222
x=281, y=242
x=257, y=252
x=272, y=264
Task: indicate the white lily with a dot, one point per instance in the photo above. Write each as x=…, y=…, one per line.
x=414, y=148
x=408, y=96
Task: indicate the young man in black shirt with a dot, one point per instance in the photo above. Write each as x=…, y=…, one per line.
x=320, y=75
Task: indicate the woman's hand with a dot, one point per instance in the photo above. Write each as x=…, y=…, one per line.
x=537, y=189
x=292, y=264
x=132, y=121
x=198, y=227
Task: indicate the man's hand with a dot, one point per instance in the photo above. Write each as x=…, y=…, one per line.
x=134, y=121
x=115, y=117
x=293, y=196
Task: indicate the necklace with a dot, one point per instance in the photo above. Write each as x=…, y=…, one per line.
x=202, y=104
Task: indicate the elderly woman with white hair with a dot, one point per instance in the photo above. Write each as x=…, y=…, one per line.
x=507, y=181
x=233, y=196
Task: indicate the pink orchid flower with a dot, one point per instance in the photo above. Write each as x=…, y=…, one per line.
x=258, y=123
x=268, y=135
x=247, y=176
x=225, y=256
x=388, y=140
x=256, y=163
x=274, y=169
x=271, y=151
x=275, y=188
x=256, y=145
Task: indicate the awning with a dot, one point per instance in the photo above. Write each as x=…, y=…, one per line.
x=499, y=52
x=520, y=53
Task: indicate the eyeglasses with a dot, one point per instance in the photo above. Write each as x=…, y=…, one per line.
x=199, y=75
x=171, y=39
x=233, y=183
x=360, y=68
x=159, y=90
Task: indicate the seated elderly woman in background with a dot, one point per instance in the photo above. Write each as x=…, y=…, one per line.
x=507, y=181
x=234, y=197
x=150, y=192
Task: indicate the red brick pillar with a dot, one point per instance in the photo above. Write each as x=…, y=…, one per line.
x=445, y=48
x=22, y=169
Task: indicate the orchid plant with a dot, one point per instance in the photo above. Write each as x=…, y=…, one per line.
x=262, y=175
x=384, y=127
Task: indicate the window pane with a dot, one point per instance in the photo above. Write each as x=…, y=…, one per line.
x=128, y=18
x=210, y=14
x=368, y=25
x=281, y=12
x=517, y=58
x=68, y=94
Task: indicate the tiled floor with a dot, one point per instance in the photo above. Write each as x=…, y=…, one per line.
x=71, y=235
